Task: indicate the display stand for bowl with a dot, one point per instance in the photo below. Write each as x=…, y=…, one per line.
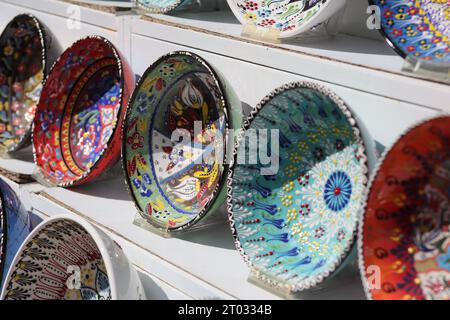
x=423, y=68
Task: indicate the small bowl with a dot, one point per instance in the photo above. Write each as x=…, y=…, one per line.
x=67, y=258
x=404, y=242
x=24, y=60
x=289, y=18
x=172, y=185
x=296, y=222
x=415, y=29
x=162, y=6
x=76, y=133
x=15, y=225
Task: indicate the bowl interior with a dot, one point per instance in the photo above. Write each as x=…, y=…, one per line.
x=174, y=141
x=406, y=225
x=21, y=75
x=78, y=110
x=295, y=220
x=60, y=262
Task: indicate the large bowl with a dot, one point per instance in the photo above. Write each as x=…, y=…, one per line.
x=66, y=258
x=15, y=225
x=162, y=6
x=24, y=60
x=295, y=221
x=416, y=29
x=174, y=182
x=404, y=243
x=289, y=18
x=77, y=125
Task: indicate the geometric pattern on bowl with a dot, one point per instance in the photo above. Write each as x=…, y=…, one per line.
x=404, y=244
x=418, y=29
x=23, y=61
x=162, y=6
x=289, y=18
x=80, y=113
x=296, y=226
x=173, y=182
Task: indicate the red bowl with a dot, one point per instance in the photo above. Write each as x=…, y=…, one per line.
x=404, y=243
x=77, y=127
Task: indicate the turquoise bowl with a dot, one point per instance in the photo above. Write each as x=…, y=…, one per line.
x=162, y=6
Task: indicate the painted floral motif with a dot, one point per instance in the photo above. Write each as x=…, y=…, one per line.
x=405, y=230
x=420, y=29
x=305, y=225
x=21, y=75
x=163, y=6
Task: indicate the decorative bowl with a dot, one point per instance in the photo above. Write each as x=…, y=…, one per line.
x=404, y=243
x=76, y=133
x=67, y=258
x=417, y=29
x=24, y=58
x=176, y=180
x=295, y=223
x=288, y=17
x=15, y=225
x=162, y=6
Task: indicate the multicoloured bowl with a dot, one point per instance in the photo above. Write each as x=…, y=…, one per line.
x=24, y=60
x=417, y=29
x=77, y=125
x=66, y=258
x=176, y=182
x=295, y=223
x=162, y=6
x=404, y=243
x=15, y=225
x=288, y=17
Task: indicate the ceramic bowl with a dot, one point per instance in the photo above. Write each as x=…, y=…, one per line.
x=76, y=133
x=177, y=180
x=67, y=258
x=15, y=225
x=295, y=221
x=162, y=6
x=404, y=243
x=24, y=58
x=288, y=17
x=417, y=29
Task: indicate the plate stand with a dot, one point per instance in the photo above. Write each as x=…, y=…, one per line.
x=432, y=70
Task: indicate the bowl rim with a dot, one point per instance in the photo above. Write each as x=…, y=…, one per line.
x=92, y=230
x=4, y=238
x=362, y=151
x=122, y=104
x=368, y=191
x=162, y=10
x=43, y=34
x=221, y=84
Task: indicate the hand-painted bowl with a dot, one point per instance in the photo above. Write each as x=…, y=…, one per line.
x=24, y=58
x=15, y=225
x=77, y=125
x=294, y=218
x=288, y=17
x=175, y=140
x=404, y=243
x=417, y=29
x=162, y=6
x=66, y=258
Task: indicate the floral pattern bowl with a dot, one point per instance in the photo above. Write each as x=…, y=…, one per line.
x=77, y=125
x=24, y=58
x=162, y=6
x=417, y=29
x=175, y=142
x=15, y=225
x=66, y=258
x=404, y=243
x=295, y=224
x=288, y=17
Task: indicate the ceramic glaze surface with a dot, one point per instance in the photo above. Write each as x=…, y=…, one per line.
x=417, y=28
x=297, y=225
x=15, y=226
x=405, y=229
x=22, y=55
x=41, y=272
x=162, y=6
x=80, y=109
x=174, y=181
